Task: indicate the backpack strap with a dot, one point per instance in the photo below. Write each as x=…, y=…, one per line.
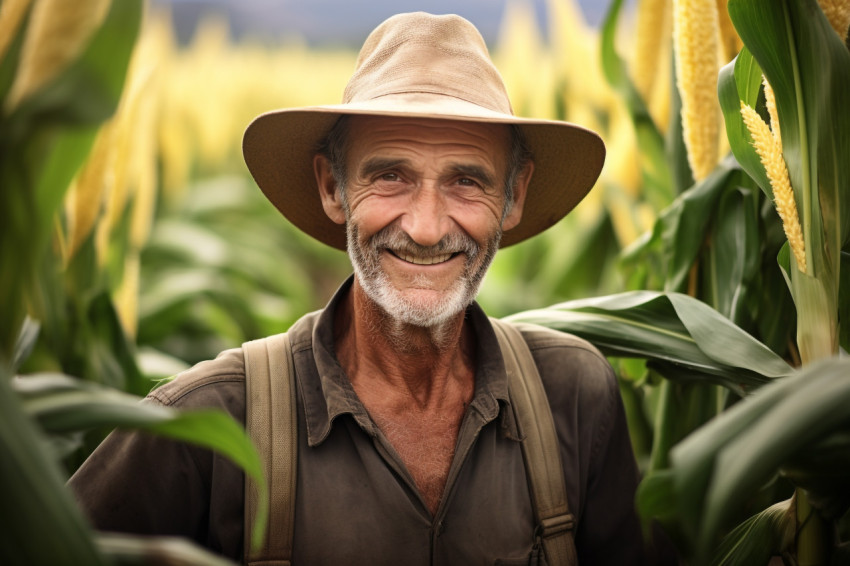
x=270, y=407
x=555, y=523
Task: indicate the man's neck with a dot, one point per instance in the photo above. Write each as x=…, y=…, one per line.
x=427, y=367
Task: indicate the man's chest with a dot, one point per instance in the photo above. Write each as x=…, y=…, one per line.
x=356, y=503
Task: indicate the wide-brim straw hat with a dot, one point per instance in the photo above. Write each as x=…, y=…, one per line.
x=420, y=66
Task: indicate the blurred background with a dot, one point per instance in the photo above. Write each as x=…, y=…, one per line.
x=134, y=243
x=213, y=264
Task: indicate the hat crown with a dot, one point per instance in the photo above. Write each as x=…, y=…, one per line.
x=422, y=53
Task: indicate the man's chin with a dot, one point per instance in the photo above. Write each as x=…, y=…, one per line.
x=422, y=307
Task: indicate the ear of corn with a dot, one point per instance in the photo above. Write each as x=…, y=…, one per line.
x=58, y=31
x=652, y=17
x=838, y=14
x=730, y=41
x=11, y=14
x=695, y=36
x=770, y=154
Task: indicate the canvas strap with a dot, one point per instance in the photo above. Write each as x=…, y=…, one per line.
x=270, y=407
x=555, y=523
x=270, y=410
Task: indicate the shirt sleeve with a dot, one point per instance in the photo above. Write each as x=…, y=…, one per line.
x=138, y=483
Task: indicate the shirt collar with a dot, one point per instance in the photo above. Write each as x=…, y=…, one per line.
x=328, y=393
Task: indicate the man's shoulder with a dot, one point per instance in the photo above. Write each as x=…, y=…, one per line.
x=541, y=339
x=209, y=383
x=570, y=366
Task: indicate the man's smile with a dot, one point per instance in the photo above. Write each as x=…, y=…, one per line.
x=422, y=260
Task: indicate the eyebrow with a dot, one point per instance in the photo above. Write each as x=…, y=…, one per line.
x=377, y=164
x=476, y=172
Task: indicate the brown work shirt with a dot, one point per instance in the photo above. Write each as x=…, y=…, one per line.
x=355, y=501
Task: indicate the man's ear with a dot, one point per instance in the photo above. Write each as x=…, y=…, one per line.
x=520, y=191
x=328, y=189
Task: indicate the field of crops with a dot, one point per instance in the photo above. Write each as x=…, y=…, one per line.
x=711, y=262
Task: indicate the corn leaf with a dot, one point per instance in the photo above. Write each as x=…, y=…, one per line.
x=740, y=81
x=758, y=538
x=43, y=143
x=668, y=328
x=62, y=404
x=129, y=550
x=809, y=69
x=655, y=172
x=717, y=466
x=734, y=254
x=34, y=497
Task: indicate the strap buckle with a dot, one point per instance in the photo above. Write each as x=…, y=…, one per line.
x=554, y=526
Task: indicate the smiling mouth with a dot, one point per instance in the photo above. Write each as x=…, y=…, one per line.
x=422, y=260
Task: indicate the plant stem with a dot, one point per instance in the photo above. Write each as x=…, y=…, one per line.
x=812, y=538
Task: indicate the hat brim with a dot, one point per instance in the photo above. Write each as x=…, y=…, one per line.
x=279, y=147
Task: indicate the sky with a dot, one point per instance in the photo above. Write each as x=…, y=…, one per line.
x=345, y=23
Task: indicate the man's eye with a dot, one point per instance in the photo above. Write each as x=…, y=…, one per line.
x=467, y=182
x=392, y=177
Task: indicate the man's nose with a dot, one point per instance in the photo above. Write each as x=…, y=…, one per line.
x=427, y=220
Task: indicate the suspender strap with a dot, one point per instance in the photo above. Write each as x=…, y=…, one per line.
x=555, y=523
x=271, y=421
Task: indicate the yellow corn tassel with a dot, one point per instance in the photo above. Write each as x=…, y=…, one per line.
x=770, y=154
x=58, y=31
x=11, y=14
x=127, y=295
x=730, y=41
x=770, y=101
x=660, y=98
x=838, y=14
x=695, y=38
x=84, y=200
x=652, y=19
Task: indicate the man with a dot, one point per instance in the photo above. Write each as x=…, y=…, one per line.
x=407, y=449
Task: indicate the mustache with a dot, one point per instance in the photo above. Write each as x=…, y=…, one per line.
x=394, y=238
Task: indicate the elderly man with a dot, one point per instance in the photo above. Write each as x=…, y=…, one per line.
x=408, y=447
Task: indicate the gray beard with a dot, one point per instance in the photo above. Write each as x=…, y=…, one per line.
x=366, y=260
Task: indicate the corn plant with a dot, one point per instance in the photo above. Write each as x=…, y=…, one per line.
x=778, y=212
x=62, y=71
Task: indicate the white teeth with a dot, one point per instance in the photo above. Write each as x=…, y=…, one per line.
x=424, y=260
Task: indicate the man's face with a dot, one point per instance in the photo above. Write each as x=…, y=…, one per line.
x=424, y=203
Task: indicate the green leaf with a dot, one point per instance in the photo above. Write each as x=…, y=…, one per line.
x=26, y=342
x=758, y=538
x=669, y=328
x=128, y=550
x=61, y=404
x=685, y=223
x=34, y=497
x=809, y=69
x=88, y=90
x=718, y=465
x=740, y=81
x=734, y=254
x=657, y=183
